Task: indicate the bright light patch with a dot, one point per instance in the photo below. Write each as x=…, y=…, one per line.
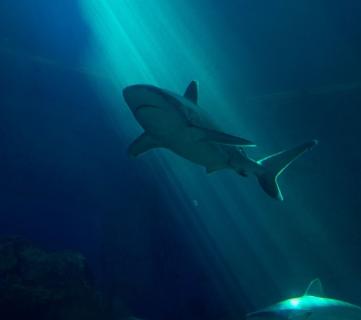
x=295, y=302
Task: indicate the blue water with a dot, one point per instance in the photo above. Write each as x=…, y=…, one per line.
x=170, y=240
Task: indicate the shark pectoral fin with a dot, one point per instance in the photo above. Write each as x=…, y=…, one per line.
x=142, y=144
x=220, y=137
x=315, y=288
x=191, y=92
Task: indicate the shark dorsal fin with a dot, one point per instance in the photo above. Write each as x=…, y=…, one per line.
x=315, y=288
x=191, y=92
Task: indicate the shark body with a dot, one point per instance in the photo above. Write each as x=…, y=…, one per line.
x=313, y=305
x=178, y=123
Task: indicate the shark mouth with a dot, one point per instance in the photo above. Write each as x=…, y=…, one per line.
x=146, y=106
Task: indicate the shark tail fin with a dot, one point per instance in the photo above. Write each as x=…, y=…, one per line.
x=275, y=164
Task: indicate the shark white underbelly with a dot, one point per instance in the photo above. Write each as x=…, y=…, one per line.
x=179, y=124
x=173, y=130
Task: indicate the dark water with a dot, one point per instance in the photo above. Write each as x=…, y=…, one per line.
x=171, y=241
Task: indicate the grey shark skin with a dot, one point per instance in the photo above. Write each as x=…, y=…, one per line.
x=178, y=123
x=313, y=305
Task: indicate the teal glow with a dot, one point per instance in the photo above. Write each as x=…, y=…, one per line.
x=295, y=302
x=229, y=220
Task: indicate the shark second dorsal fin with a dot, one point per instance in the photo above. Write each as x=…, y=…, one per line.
x=191, y=92
x=315, y=288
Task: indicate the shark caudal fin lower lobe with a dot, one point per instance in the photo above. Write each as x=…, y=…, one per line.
x=275, y=164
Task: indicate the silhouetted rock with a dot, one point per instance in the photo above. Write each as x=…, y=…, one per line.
x=45, y=285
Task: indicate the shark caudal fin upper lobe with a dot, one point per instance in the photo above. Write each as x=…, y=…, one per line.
x=275, y=164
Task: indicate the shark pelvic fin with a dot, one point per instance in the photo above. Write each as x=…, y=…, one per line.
x=191, y=92
x=142, y=144
x=315, y=288
x=219, y=137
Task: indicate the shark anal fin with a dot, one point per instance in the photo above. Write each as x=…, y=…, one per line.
x=220, y=137
x=142, y=144
x=315, y=288
x=191, y=92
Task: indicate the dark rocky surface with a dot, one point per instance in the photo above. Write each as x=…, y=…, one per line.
x=36, y=284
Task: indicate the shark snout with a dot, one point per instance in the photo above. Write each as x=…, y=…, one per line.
x=131, y=95
x=139, y=95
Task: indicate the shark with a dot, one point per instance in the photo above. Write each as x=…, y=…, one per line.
x=313, y=305
x=176, y=122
